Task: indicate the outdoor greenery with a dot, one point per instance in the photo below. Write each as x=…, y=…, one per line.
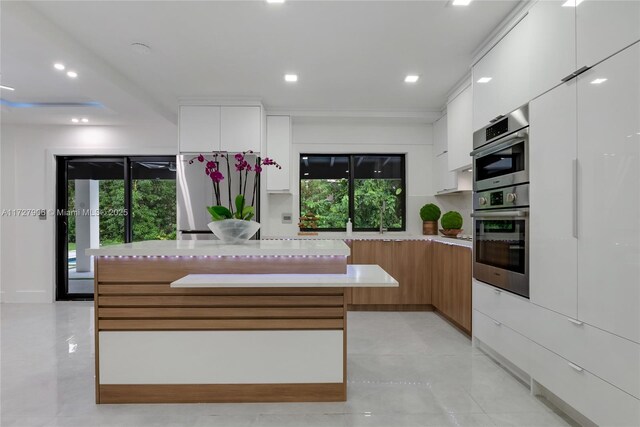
x=153, y=210
x=328, y=199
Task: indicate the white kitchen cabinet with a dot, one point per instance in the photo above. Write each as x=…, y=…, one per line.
x=553, y=275
x=240, y=128
x=199, y=129
x=507, y=65
x=552, y=51
x=459, y=130
x=440, y=136
x=279, y=149
x=445, y=180
x=486, y=104
x=596, y=399
x=604, y=27
x=609, y=200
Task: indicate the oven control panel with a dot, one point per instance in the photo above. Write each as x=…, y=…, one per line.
x=508, y=197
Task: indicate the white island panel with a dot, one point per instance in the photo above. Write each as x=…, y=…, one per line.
x=221, y=357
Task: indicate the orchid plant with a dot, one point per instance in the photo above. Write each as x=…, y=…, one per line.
x=239, y=209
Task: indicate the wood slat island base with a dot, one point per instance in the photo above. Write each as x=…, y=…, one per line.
x=266, y=338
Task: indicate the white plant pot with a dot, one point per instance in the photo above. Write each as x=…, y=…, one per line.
x=234, y=231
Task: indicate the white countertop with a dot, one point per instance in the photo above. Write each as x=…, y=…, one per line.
x=217, y=248
x=390, y=235
x=357, y=276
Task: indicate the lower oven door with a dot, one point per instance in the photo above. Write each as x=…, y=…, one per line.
x=501, y=249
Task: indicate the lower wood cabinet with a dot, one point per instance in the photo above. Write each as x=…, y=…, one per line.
x=408, y=261
x=430, y=273
x=451, y=281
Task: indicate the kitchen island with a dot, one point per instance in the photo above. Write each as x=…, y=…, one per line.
x=202, y=321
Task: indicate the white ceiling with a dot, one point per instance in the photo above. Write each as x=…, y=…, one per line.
x=349, y=55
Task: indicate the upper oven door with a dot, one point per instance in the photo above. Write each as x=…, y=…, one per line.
x=502, y=163
x=501, y=249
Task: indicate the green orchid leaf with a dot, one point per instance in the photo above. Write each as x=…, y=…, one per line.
x=219, y=213
x=239, y=205
x=247, y=213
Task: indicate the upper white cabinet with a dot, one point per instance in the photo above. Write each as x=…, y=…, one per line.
x=206, y=128
x=240, y=128
x=553, y=271
x=459, y=130
x=609, y=199
x=552, y=51
x=446, y=181
x=501, y=77
x=279, y=149
x=199, y=128
x=440, y=136
x=604, y=27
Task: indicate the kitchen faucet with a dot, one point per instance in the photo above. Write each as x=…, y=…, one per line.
x=382, y=209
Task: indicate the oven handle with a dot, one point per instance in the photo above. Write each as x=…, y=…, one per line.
x=499, y=214
x=505, y=143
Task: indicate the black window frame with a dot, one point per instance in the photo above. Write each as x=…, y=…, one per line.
x=351, y=185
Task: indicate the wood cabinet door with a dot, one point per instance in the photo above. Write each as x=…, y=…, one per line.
x=460, y=294
x=412, y=268
x=379, y=252
x=441, y=280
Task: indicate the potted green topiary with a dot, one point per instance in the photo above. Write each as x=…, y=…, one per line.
x=430, y=215
x=451, y=224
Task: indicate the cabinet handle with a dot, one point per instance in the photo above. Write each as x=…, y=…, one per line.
x=496, y=118
x=497, y=291
x=497, y=323
x=574, y=195
x=575, y=322
x=575, y=74
x=575, y=367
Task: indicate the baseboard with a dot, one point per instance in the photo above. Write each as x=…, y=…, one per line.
x=390, y=307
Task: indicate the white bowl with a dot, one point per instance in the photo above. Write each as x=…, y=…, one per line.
x=234, y=231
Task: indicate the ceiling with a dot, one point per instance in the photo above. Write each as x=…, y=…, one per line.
x=349, y=55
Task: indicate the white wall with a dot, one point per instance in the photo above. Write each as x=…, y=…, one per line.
x=323, y=135
x=27, y=272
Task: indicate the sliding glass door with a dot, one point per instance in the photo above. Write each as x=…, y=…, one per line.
x=104, y=201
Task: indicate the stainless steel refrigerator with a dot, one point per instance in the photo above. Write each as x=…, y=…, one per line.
x=195, y=193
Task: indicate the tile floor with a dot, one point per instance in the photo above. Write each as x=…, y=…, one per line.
x=404, y=369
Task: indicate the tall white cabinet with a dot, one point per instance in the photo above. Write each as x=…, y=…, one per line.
x=459, y=130
x=609, y=195
x=553, y=243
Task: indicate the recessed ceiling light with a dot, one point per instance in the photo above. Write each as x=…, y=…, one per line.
x=484, y=79
x=291, y=78
x=75, y=120
x=461, y=2
x=72, y=74
x=84, y=120
x=59, y=66
x=571, y=3
x=598, y=81
x=411, y=78
x=7, y=87
x=275, y=1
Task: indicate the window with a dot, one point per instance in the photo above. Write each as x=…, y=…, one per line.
x=334, y=188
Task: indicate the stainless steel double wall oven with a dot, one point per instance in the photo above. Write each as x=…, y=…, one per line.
x=501, y=202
